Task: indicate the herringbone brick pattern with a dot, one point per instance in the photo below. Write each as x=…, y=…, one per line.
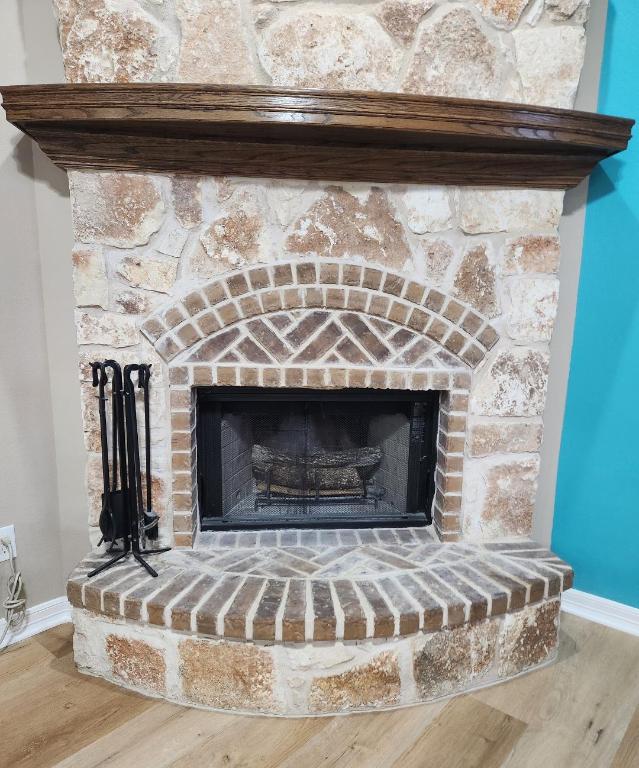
x=207, y=319
x=323, y=337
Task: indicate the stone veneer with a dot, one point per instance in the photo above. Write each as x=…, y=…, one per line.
x=473, y=290
x=146, y=243
x=272, y=283
x=302, y=680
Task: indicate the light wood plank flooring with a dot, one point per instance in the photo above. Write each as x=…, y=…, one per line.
x=582, y=712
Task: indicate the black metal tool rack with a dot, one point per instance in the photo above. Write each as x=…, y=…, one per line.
x=124, y=515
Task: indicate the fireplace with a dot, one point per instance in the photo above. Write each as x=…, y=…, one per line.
x=347, y=298
x=296, y=458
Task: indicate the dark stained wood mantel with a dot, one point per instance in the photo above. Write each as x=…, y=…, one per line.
x=339, y=136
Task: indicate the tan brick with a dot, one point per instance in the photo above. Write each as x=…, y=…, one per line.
x=282, y=274
x=259, y=278
x=228, y=313
x=194, y=302
x=329, y=273
x=214, y=292
x=249, y=377
x=306, y=273
x=237, y=284
x=372, y=278
x=351, y=274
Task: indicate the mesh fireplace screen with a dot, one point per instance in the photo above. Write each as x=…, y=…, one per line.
x=295, y=458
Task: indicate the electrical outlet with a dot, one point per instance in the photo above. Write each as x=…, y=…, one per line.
x=8, y=533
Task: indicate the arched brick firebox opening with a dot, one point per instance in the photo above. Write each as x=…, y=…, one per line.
x=321, y=325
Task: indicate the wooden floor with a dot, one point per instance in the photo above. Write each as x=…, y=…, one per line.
x=582, y=712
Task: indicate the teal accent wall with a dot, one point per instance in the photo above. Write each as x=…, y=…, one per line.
x=596, y=522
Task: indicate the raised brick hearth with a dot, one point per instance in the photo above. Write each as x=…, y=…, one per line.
x=420, y=610
x=295, y=586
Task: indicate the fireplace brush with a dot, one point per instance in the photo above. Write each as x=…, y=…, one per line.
x=125, y=515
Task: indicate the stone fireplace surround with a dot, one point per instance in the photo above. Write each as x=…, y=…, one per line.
x=400, y=287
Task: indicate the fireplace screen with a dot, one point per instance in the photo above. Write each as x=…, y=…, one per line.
x=297, y=457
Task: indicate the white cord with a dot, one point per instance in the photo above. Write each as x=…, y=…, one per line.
x=14, y=605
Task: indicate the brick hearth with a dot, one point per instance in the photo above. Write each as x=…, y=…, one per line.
x=315, y=622
x=295, y=586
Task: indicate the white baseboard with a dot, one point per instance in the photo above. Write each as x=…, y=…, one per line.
x=602, y=611
x=38, y=619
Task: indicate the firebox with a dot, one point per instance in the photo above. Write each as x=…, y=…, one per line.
x=296, y=458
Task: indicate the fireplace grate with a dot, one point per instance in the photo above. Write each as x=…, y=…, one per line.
x=330, y=508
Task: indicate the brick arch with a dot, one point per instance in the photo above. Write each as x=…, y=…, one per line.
x=319, y=324
x=224, y=319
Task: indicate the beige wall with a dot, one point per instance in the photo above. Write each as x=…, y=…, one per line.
x=44, y=64
x=40, y=473
x=38, y=354
x=571, y=230
x=28, y=500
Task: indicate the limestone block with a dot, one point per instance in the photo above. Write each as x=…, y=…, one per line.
x=186, y=193
x=137, y=663
x=529, y=637
x=227, y=675
x=532, y=308
x=147, y=272
x=513, y=385
x=120, y=209
x=107, y=329
x=448, y=661
x=562, y=10
x=377, y=683
x=530, y=254
x=113, y=41
x=503, y=14
x=90, y=420
x=131, y=302
x=509, y=497
x=500, y=436
x=171, y=241
x=90, y=284
x=400, y=18
x=264, y=14
x=428, y=209
x=455, y=57
x=437, y=257
x=238, y=235
x=475, y=281
x=215, y=44
x=496, y=210
x=343, y=225
x=311, y=49
x=549, y=61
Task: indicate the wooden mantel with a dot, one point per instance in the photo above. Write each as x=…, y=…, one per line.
x=285, y=133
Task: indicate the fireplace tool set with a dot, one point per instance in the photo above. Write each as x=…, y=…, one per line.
x=125, y=515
